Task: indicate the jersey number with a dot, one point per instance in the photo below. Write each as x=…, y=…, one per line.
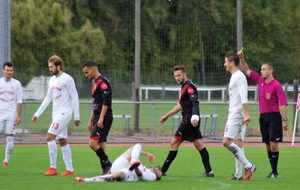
x=55, y=126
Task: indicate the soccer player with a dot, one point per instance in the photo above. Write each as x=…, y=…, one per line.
x=10, y=107
x=127, y=167
x=238, y=117
x=189, y=126
x=272, y=108
x=101, y=117
x=63, y=93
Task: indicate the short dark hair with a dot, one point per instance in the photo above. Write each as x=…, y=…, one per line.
x=56, y=60
x=233, y=57
x=179, y=68
x=270, y=65
x=90, y=63
x=8, y=64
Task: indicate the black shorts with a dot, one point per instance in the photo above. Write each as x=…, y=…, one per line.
x=271, y=127
x=187, y=132
x=100, y=134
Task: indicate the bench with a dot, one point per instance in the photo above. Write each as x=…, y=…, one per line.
x=213, y=124
x=128, y=117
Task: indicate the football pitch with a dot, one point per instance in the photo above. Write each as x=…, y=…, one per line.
x=28, y=164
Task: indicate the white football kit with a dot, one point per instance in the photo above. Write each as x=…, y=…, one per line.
x=62, y=92
x=11, y=94
x=122, y=164
x=238, y=95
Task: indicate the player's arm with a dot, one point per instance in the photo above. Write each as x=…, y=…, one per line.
x=193, y=96
x=284, y=117
x=43, y=106
x=149, y=156
x=75, y=100
x=19, y=114
x=173, y=111
x=246, y=113
x=242, y=85
x=244, y=65
x=102, y=114
x=90, y=123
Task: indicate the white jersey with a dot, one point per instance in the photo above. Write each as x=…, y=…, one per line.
x=63, y=93
x=147, y=174
x=238, y=91
x=11, y=94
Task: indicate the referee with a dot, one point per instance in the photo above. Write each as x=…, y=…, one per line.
x=272, y=107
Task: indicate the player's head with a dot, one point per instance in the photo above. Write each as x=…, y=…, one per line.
x=55, y=64
x=90, y=70
x=180, y=74
x=157, y=171
x=231, y=61
x=8, y=70
x=267, y=70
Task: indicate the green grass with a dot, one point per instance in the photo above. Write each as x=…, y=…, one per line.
x=149, y=116
x=28, y=164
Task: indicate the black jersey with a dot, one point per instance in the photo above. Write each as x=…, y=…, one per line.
x=102, y=95
x=189, y=101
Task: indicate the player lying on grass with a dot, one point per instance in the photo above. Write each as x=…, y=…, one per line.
x=127, y=167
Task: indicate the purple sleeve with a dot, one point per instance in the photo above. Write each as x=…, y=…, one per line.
x=254, y=76
x=281, y=96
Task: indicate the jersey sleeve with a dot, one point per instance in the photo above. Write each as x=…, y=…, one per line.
x=148, y=176
x=254, y=76
x=193, y=96
x=106, y=95
x=242, y=89
x=74, y=96
x=45, y=103
x=281, y=96
x=19, y=93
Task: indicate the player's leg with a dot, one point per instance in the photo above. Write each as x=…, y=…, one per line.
x=238, y=175
x=98, y=140
x=199, y=145
x=276, y=135
x=175, y=143
x=10, y=130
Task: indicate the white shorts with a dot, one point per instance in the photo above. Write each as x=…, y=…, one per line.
x=235, y=127
x=120, y=163
x=59, y=126
x=9, y=127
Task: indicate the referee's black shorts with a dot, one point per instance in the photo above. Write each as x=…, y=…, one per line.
x=271, y=127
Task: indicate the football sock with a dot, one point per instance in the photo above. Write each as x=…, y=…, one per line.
x=270, y=159
x=239, y=166
x=275, y=157
x=52, y=146
x=171, y=156
x=103, y=158
x=67, y=157
x=239, y=155
x=205, y=159
x=135, y=152
x=9, y=147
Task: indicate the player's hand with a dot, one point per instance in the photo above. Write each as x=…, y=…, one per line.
x=240, y=53
x=163, y=119
x=285, y=125
x=89, y=127
x=247, y=119
x=100, y=122
x=18, y=120
x=34, y=118
x=151, y=158
x=195, y=123
x=77, y=122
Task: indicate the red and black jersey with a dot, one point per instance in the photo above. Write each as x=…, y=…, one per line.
x=102, y=95
x=189, y=101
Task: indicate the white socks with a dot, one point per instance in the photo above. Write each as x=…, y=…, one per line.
x=136, y=151
x=9, y=147
x=52, y=153
x=239, y=166
x=237, y=151
x=67, y=156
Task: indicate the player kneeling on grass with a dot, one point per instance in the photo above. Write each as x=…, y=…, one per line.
x=127, y=167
